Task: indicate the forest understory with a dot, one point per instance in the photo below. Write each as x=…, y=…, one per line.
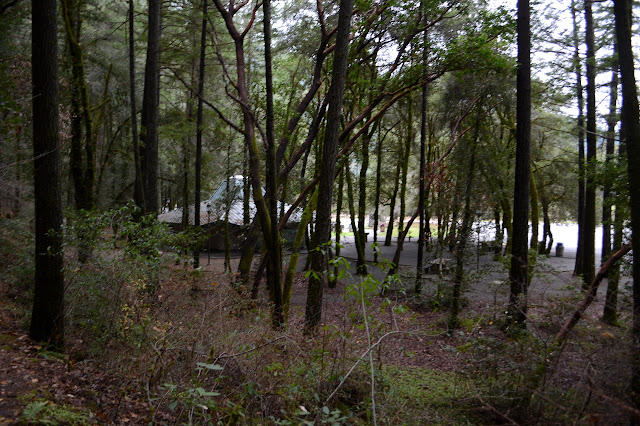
x=195, y=349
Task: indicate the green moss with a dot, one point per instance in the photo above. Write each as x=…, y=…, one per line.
x=421, y=395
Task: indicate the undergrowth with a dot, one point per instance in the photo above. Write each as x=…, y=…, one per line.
x=200, y=352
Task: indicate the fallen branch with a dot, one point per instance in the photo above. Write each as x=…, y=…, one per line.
x=590, y=295
x=554, y=350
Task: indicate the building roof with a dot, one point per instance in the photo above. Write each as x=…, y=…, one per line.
x=215, y=208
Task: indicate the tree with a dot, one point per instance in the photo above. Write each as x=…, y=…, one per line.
x=609, y=223
x=631, y=133
x=47, y=319
x=579, y=267
x=199, y=124
x=274, y=267
x=589, y=244
x=138, y=190
x=149, y=121
x=82, y=167
x=519, y=253
x=322, y=234
x=422, y=195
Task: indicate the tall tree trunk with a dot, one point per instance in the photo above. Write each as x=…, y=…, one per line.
x=392, y=203
x=138, y=190
x=47, y=319
x=149, y=117
x=610, y=311
x=461, y=247
x=631, y=128
x=199, y=124
x=607, y=194
x=535, y=213
x=83, y=169
x=579, y=266
x=507, y=224
x=361, y=264
x=405, y=164
x=274, y=267
x=547, y=236
x=322, y=234
x=422, y=182
x=333, y=280
x=589, y=245
x=376, y=203
x=307, y=214
x=519, y=260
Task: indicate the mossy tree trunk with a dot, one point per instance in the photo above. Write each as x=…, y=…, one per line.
x=322, y=234
x=82, y=132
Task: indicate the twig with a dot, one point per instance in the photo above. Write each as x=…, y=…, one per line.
x=634, y=411
x=223, y=355
x=499, y=413
x=369, y=349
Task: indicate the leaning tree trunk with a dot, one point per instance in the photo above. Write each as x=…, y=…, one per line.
x=47, y=319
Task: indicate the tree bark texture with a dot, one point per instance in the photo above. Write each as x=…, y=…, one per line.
x=82, y=166
x=392, y=204
x=333, y=281
x=607, y=194
x=519, y=252
x=47, y=320
x=322, y=234
x=138, y=190
x=149, y=118
x=199, y=125
x=589, y=245
x=579, y=266
x=631, y=134
x=274, y=267
x=421, y=185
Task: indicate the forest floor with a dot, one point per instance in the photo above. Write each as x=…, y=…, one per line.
x=162, y=359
